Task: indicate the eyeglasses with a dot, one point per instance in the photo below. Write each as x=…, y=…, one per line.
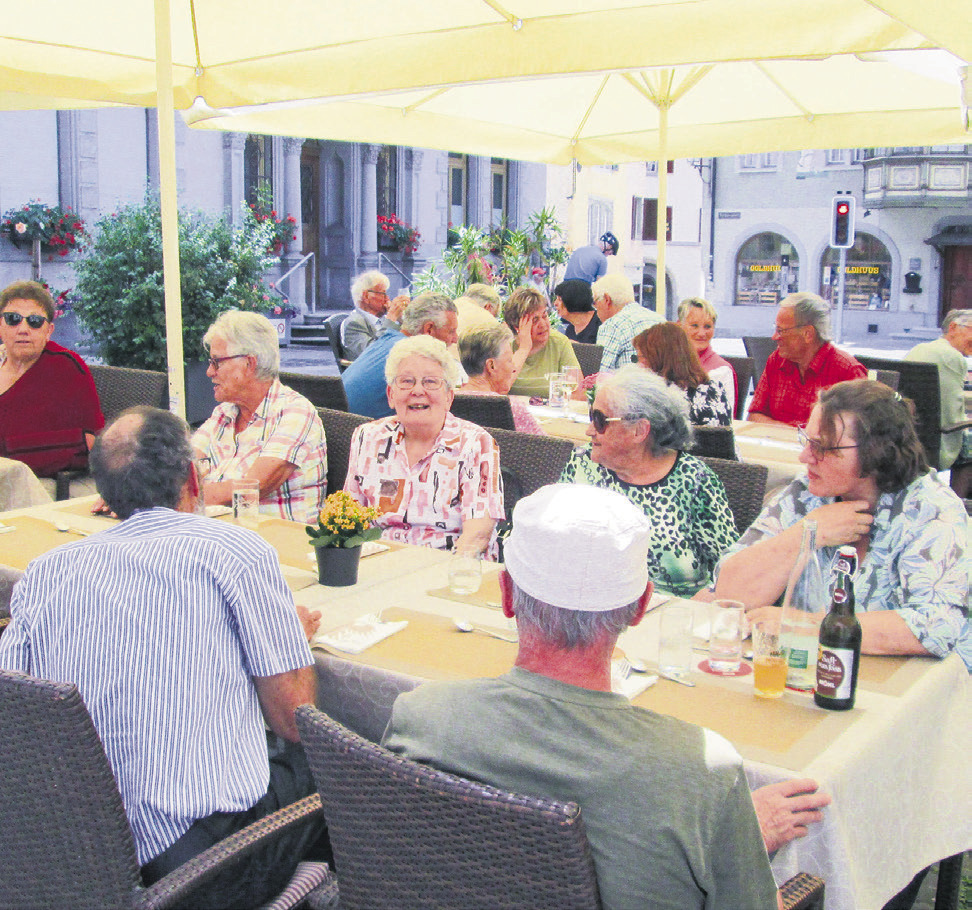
x=215, y=362
x=34, y=320
x=429, y=383
x=379, y=293
x=778, y=331
x=817, y=449
x=600, y=420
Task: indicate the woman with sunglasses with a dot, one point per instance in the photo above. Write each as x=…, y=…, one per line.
x=49, y=409
x=639, y=431
x=867, y=485
x=434, y=478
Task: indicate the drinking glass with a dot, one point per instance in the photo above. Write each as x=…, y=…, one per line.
x=246, y=503
x=465, y=572
x=769, y=662
x=559, y=399
x=725, y=636
x=675, y=639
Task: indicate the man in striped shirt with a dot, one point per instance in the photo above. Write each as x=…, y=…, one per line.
x=182, y=637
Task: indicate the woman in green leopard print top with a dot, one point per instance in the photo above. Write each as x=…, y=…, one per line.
x=638, y=430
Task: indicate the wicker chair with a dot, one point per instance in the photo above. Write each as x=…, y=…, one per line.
x=919, y=382
x=320, y=391
x=333, y=328
x=66, y=838
x=745, y=368
x=406, y=835
x=529, y=462
x=714, y=442
x=338, y=428
x=745, y=486
x=759, y=348
x=890, y=378
x=485, y=410
x=588, y=356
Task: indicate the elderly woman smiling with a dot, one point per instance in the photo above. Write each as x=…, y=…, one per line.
x=867, y=485
x=486, y=355
x=434, y=478
x=698, y=317
x=260, y=430
x=639, y=429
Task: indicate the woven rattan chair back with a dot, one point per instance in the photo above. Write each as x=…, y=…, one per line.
x=745, y=486
x=338, y=429
x=714, y=442
x=745, y=368
x=759, y=347
x=320, y=391
x=122, y=387
x=588, y=356
x=919, y=382
x=890, y=378
x=406, y=835
x=529, y=462
x=485, y=410
x=66, y=837
x=333, y=328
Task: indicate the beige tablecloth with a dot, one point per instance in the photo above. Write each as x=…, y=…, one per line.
x=19, y=487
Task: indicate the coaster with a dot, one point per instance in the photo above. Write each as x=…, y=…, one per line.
x=744, y=669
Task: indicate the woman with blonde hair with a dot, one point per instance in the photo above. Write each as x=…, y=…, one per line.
x=698, y=317
x=548, y=352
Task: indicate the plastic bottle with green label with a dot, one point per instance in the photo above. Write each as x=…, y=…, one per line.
x=806, y=593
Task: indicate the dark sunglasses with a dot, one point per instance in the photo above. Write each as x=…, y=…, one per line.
x=34, y=320
x=600, y=420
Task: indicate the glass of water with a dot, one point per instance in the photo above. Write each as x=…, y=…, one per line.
x=246, y=503
x=465, y=572
x=725, y=636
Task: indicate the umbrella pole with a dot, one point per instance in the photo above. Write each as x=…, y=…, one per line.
x=661, y=219
x=170, y=207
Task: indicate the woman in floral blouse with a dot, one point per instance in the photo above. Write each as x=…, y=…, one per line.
x=666, y=350
x=867, y=485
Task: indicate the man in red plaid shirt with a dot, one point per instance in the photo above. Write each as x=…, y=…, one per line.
x=803, y=363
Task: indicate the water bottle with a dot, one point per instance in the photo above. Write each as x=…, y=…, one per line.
x=806, y=593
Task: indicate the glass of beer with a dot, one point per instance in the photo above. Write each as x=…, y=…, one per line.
x=769, y=664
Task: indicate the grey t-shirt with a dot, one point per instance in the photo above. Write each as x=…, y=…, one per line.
x=666, y=805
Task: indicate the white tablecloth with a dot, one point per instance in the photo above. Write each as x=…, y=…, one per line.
x=19, y=487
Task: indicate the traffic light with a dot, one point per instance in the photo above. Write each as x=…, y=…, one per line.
x=842, y=222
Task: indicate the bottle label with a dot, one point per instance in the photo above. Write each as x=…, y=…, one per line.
x=835, y=672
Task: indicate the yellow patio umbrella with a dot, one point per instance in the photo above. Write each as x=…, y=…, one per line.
x=142, y=52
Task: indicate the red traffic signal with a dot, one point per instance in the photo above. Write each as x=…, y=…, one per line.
x=842, y=222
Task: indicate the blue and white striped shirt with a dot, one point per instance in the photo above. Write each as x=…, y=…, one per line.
x=161, y=622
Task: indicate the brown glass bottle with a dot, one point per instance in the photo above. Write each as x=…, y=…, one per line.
x=839, y=653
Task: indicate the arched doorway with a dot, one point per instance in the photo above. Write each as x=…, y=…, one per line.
x=867, y=282
x=767, y=269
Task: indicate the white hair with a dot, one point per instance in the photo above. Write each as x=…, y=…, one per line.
x=251, y=334
x=423, y=346
x=367, y=281
x=617, y=286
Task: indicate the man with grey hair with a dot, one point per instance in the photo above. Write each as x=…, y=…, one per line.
x=665, y=804
x=364, y=381
x=260, y=430
x=949, y=354
x=621, y=319
x=182, y=637
x=369, y=292
x=804, y=362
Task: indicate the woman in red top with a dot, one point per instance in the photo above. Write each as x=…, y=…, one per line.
x=49, y=409
x=698, y=317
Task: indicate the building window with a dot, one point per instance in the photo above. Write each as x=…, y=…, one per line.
x=644, y=219
x=857, y=155
x=600, y=218
x=651, y=168
x=759, y=161
x=457, y=189
x=836, y=157
x=386, y=180
x=867, y=282
x=767, y=269
x=497, y=191
x=257, y=167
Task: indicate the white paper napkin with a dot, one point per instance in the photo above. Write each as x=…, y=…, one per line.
x=360, y=635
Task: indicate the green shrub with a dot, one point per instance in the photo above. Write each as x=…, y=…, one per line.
x=120, y=292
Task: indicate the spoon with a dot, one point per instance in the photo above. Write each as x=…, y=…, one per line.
x=637, y=666
x=64, y=529
x=676, y=678
x=463, y=626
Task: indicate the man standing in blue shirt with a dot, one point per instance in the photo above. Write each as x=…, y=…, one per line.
x=589, y=262
x=182, y=638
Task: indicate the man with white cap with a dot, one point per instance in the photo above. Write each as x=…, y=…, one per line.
x=666, y=804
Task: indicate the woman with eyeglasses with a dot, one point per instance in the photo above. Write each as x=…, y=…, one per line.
x=639, y=431
x=666, y=351
x=867, y=485
x=49, y=409
x=260, y=430
x=434, y=478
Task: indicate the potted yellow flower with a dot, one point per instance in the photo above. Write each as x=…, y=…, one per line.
x=342, y=527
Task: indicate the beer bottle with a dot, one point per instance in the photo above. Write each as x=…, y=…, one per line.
x=839, y=653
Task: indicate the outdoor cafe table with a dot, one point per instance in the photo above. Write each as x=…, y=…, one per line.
x=897, y=765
